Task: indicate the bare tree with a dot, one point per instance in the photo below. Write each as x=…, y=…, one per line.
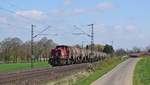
x=10, y=49
x=15, y=50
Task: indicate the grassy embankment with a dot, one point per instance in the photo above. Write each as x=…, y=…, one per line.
x=21, y=66
x=105, y=67
x=142, y=72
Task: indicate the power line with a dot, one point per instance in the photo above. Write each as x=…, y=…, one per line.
x=12, y=12
x=32, y=41
x=92, y=38
x=27, y=20
x=16, y=7
x=82, y=32
x=41, y=32
x=89, y=35
x=11, y=4
x=8, y=24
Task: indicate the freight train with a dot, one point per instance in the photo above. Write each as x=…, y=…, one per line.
x=66, y=55
x=139, y=54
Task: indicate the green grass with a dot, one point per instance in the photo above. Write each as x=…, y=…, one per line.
x=21, y=66
x=142, y=72
x=105, y=67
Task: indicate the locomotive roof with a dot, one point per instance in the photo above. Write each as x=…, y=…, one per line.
x=61, y=46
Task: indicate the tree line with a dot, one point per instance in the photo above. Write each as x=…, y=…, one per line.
x=14, y=50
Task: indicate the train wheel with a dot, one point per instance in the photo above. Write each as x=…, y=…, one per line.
x=67, y=61
x=72, y=61
x=84, y=59
x=62, y=62
x=76, y=61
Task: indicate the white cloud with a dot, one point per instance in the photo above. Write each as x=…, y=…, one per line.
x=77, y=11
x=67, y=2
x=124, y=35
x=125, y=28
x=33, y=14
x=3, y=19
x=118, y=27
x=105, y=5
x=131, y=28
x=80, y=10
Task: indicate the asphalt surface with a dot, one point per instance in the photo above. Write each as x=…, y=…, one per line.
x=120, y=75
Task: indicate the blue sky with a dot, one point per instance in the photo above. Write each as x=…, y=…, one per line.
x=126, y=22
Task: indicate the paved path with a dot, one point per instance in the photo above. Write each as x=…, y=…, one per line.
x=120, y=75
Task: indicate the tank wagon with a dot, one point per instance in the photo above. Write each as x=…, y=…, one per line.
x=139, y=54
x=66, y=55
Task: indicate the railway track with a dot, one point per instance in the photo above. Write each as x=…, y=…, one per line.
x=39, y=76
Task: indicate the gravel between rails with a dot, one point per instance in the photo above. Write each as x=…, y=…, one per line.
x=41, y=75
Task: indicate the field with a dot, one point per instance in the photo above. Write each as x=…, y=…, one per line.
x=105, y=67
x=21, y=66
x=142, y=72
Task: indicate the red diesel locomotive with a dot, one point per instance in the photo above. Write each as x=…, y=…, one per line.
x=65, y=55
